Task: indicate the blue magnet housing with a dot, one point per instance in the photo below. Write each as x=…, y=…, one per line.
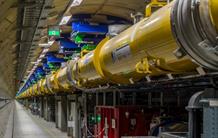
x=68, y=44
x=83, y=27
x=51, y=58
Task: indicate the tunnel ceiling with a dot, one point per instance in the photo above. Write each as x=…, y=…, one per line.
x=116, y=8
x=23, y=25
x=19, y=25
x=8, y=10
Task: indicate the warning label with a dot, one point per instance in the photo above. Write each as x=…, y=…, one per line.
x=121, y=53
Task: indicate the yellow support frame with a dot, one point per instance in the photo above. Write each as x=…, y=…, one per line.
x=153, y=4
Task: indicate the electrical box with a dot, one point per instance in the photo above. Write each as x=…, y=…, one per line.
x=120, y=121
x=210, y=118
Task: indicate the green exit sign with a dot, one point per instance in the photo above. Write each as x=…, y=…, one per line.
x=54, y=31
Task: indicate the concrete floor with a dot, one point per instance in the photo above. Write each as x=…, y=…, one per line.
x=28, y=126
x=4, y=117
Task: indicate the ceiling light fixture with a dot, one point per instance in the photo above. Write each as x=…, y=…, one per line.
x=44, y=45
x=65, y=20
x=76, y=3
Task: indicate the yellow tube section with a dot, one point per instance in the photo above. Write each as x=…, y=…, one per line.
x=175, y=39
x=38, y=88
x=35, y=90
x=52, y=82
x=150, y=47
x=30, y=92
x=146, y=48
x=84, y=73
x=58, y=81
x=44, y=87
x=22, y=95
x=62, y=80
x=213, y=4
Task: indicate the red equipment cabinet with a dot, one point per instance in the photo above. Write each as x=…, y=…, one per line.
x=121, y=121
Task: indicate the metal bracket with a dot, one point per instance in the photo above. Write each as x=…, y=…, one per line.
x=170, y=76
x=152, y=4
x=205, y=44
x=201, y=71
x=131, y=81
x=179, y=53
x=148, y=78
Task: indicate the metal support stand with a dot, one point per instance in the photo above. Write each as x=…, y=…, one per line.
x=45, y=108
x=77, y=118
x=73, y=116
x=178, y=100
x=85, y=115
x=27, y=103
x=120, y=98
x=194, y=123
x=133, y=98
x=104, y=98
x=41, y=106
x=161, y=99
x=97, y=102
x=114, y=98
x=56, y=112
x=34, y=100
x=149, y=99
x=61, y=112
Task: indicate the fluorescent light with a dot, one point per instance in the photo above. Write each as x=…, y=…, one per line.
x=65, y=20
x=45, y=51
x=42, y=56
x=50, y=42
x=39, y=60
x=76, y=3
x=44, y=45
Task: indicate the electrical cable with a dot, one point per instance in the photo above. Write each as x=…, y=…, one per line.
x=92, y=135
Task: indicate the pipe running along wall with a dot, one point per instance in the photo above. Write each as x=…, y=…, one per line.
x=175, y=39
